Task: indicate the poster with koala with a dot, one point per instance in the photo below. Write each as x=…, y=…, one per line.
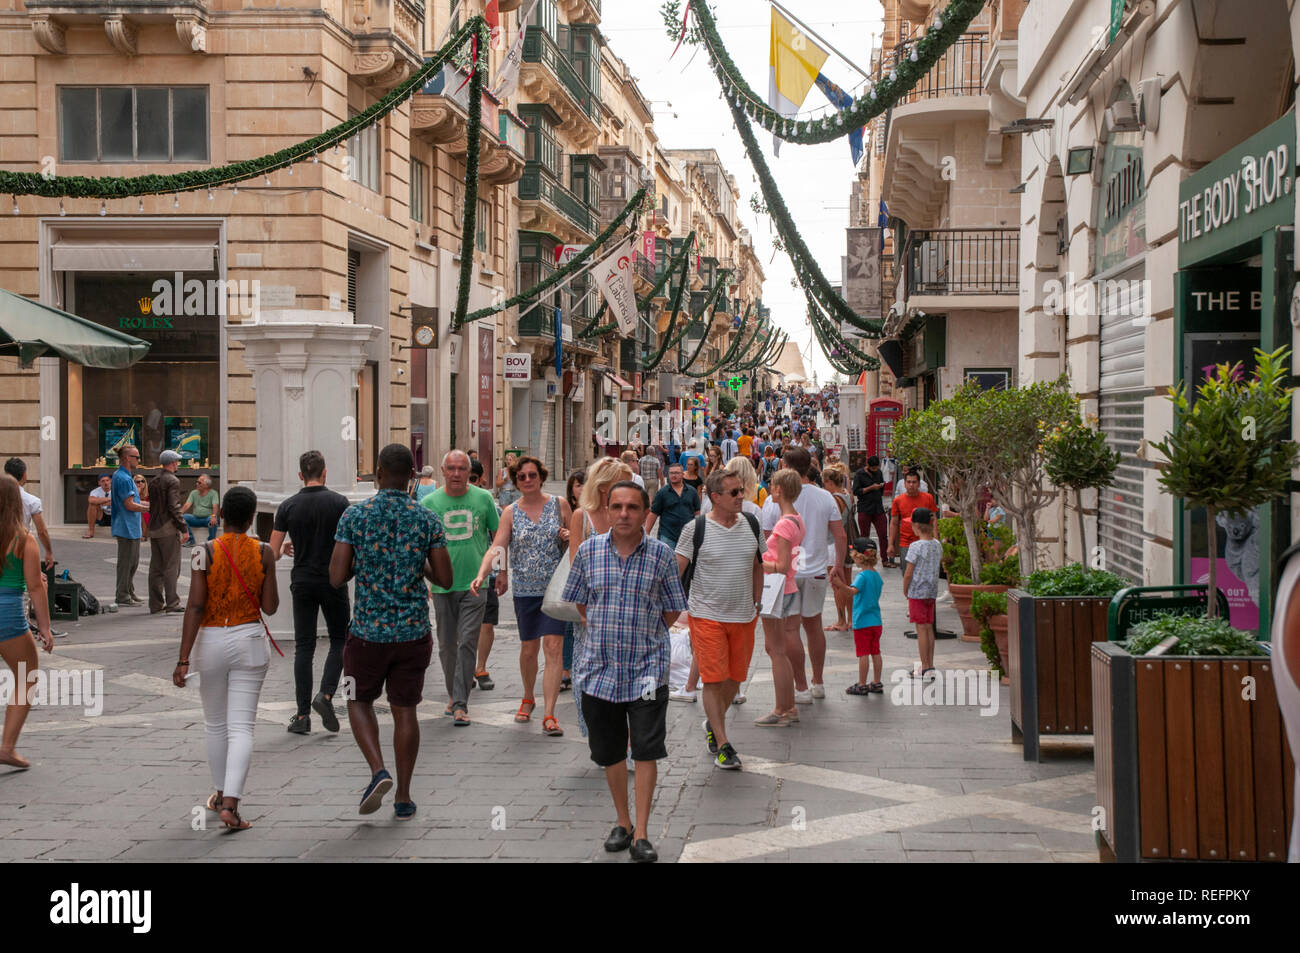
x=1238, y=554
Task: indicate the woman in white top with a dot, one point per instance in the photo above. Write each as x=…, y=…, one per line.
x=743, y=469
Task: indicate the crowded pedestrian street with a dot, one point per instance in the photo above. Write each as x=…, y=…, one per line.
x=858, y=779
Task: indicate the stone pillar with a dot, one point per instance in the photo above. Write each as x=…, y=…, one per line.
x=305, y=367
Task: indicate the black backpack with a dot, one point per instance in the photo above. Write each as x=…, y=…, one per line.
x=698, y=540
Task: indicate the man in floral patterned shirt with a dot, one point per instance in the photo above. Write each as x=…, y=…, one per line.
x=391, y=544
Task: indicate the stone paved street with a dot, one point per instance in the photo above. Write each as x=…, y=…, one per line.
x=858, y=779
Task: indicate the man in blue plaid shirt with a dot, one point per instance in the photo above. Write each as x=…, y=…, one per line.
x=626, y=586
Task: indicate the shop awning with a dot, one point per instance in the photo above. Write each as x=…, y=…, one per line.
x=619, y=381
x=100, y=254
x=31, y=330
x=891, y=352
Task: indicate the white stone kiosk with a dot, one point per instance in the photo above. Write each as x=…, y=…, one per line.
x=305, y=367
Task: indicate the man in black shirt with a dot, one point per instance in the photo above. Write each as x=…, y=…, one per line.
x=868, y=486
x=310, y=518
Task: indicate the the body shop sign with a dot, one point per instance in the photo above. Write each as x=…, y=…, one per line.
x=1240, y=195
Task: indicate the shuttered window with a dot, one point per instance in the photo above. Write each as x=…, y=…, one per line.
x=1123, y=388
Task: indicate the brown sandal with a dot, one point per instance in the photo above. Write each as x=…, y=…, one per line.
x=214, y=802
x=521, y=716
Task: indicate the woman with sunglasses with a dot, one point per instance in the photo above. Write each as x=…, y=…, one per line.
x=533, y=530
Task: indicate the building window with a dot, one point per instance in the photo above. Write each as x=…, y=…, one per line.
x=419, y=206
x=546, y=16
x=363, y=156
x=483, y=225
x=540, y=142
x=133, y=123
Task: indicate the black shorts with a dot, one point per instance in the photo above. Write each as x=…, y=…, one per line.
x=399, y=665
x=611, y=725
x=492, y=610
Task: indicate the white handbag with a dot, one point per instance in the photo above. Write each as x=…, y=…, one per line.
x=553, y=604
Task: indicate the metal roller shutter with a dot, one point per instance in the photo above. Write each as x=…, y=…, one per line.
x=1122, y=390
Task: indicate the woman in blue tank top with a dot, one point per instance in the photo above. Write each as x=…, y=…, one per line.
x=20, y=570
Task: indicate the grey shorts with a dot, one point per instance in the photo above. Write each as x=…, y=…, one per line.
x=788, y=606
x=812, y=595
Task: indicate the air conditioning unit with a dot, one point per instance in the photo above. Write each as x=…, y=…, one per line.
x=1122, y=116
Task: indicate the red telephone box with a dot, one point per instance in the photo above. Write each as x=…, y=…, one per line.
x=882, y=415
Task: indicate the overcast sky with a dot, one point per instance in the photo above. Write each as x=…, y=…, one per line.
x=815, y=180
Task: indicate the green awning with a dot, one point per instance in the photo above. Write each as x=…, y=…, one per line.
x=31, y=330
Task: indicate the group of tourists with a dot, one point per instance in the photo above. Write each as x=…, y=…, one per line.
x=722, y=540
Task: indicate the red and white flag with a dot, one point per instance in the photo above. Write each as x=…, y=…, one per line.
x=493, y=16
x=508, y=78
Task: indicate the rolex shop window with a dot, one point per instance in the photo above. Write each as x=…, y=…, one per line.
x=167, y=400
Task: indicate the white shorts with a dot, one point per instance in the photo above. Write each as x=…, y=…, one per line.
x=812, y=596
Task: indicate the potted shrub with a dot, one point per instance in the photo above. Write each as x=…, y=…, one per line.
x=990, y=609
x=1077, y=457
x=999, y=567
x=1052, y=621
x=1191, y=758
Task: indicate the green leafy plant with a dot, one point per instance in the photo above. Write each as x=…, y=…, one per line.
x=1228, y=451
x=726, y=405
x=1078, y=457
x=1197, y=635
x=983, y=606
x=996, y=569
x=1074, y=580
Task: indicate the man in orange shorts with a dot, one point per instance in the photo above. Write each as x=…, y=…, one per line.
x=723, y=552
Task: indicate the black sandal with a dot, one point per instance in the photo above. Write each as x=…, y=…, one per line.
x=239, y=825
x=856, y=689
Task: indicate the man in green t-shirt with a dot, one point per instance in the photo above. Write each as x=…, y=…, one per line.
x=469, y=519
x=203, y=508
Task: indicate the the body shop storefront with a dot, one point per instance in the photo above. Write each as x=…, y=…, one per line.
x=1232, y=294
x=162, y=285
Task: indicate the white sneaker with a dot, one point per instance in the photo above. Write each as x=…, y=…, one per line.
x=803, y=698
x=818, y=690
x=681, y=695
x=739, y=699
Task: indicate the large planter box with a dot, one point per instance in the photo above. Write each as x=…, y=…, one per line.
x=1188, y=768
x=1048, y=641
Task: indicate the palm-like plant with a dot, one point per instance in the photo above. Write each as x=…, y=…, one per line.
x=1228, y=451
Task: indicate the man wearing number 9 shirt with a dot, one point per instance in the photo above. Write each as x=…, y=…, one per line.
x=469, y=521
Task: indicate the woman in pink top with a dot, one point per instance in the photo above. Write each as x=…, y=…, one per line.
x=783, y=545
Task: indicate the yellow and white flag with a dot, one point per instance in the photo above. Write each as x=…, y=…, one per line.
x=795, y=62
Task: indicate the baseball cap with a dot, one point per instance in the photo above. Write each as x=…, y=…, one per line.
x=862, y=544
x=169, y=456
x=921, y=515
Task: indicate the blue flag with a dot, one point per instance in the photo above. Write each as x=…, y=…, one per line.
x=559, y=342
x=842, y=100
x=883, y=222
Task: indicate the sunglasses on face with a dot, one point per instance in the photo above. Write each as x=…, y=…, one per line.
x=738, y=491
x=528, y=475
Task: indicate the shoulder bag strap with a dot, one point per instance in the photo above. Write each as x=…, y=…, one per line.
x=249, y=594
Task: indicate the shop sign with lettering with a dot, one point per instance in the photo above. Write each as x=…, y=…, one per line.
x=1240, y=195
x=1121, y=218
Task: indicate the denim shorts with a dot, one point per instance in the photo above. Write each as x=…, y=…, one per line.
x=13, y=615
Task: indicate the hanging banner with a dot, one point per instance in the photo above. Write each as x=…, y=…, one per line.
x=565, y=254
x=508, y=77
x=486, y=366
x=614, y=278
x=648, y=246
x=862, y=273
x=559, y=341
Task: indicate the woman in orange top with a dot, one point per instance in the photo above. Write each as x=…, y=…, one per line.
x=232, y=584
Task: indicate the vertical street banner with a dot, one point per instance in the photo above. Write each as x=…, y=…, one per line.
x=648, y=246
x=614, y=278
x=862, y=272
x=559, y=342
x=486, y=369
x=508, y=77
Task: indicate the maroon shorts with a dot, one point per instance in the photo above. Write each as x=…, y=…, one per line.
x=867, y=641
x=399, y=665
x=920, y=610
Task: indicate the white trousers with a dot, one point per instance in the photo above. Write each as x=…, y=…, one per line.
x=232, y=663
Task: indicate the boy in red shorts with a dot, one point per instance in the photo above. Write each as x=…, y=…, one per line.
x=866, y=589
x=921, y=587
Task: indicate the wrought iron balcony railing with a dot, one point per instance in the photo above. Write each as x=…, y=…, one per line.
x=962, y=261
x=538, y=183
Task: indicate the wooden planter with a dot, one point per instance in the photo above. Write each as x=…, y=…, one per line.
x=1188, y=769
x=1048, y=640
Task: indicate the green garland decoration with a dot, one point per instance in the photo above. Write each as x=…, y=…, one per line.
x=830, y=339
x=718, y=284
x=595, y=328
x=676, y=308
x=772, y=345
x=883, y=94
x=732, y=351
x=116, y=187
x=470, y=211
x=743, y=353
x=577, y=261
x=805, y=264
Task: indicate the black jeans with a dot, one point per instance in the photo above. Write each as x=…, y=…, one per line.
x=307, y=598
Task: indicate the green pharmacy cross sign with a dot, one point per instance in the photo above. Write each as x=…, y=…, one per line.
x=736, y=383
